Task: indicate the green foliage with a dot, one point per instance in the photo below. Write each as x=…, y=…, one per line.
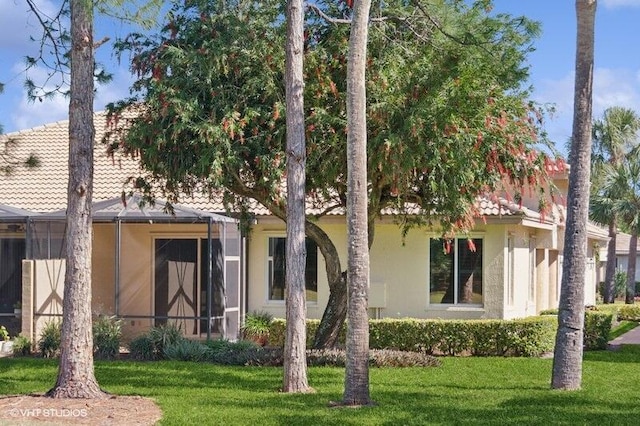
x=621, y=328
x=49, y=342
x=186, y=350
x=256, y=327
x=164, y=335
x=597, y=326
x=234, y=353
x=377, y=358
x=107, y=332
x=4, y=334
x=151, y=346
x=21, y=346
x=447, y=120
x=629, y=312
x=142, y=348
x=277, y=332
x=525, y=337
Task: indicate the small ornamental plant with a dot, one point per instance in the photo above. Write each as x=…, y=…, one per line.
x=4, y=334
x=256, y=327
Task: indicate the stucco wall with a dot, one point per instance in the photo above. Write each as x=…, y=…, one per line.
x=402, y=268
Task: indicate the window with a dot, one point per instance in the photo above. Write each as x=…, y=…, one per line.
x=455, y=269
x=277, y=267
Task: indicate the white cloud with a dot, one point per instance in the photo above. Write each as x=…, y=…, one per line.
x=611, y=4
x=29, y=114
x=611, y=87
x=18, y=23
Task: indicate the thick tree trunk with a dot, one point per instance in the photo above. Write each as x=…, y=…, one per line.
x=567, y=360
x=295, y=361
x=335, y=312
x=76, y=376
x=610, y=271
x=356, y=384
x=631, y=269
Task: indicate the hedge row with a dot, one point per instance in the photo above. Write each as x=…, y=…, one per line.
x=531, y=336
x=524, y=337
x=629, y=313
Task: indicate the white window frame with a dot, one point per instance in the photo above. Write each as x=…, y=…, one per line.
x=456, y=304
x=268, y=275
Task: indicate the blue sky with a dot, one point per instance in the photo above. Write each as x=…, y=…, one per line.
x=616, y=77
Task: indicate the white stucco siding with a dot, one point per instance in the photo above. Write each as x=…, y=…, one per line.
x=402, y=267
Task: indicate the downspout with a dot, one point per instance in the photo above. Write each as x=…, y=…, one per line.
x=209, y=273
x=117, y=266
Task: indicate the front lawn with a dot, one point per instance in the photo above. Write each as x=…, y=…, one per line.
x=462, y=391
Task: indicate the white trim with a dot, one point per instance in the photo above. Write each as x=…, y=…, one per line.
x=463, y=306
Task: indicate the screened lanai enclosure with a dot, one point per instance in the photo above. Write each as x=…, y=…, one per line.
x=13, y=249
x=149, y=268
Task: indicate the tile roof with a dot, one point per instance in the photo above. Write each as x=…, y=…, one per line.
x=43, y=189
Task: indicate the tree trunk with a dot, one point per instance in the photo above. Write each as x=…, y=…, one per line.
x=567, y=360
x=336, y=310
x=610, y=271
x=295, y=361
x=631, y=269
x=356, y=384
x=76, y=376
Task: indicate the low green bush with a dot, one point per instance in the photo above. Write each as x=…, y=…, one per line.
x=107, y=332
x=277, y=332
x=164, y=335
x=597, y=326
x=186, y=350
x=21, y=346
x=151, y=345
x=142, y=348
x=629, y=313
x=50, y=337
x=524, y=337
x=243, y=352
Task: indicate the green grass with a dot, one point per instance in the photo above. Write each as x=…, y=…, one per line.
x=622, y=327
x=463, y=391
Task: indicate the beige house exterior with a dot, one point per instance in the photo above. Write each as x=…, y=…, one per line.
x=509, y=266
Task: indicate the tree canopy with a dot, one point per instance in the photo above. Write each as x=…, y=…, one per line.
x=448, y=112
x=448, y=116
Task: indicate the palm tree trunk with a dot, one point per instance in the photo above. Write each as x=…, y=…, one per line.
x=76, y=377
x=295, y=361
x=356, y=388
x=631, y=269
x=567, y=360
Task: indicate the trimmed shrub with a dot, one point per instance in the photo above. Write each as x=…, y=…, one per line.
x=277, y=332
x=629, y=313
x=186, y=350
x=142, y=349
x=524, y=337
x=21, y=346
x=107, y=332
x=597, y=326
x=50, y=337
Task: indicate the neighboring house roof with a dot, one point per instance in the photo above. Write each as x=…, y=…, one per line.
x=622, y=243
